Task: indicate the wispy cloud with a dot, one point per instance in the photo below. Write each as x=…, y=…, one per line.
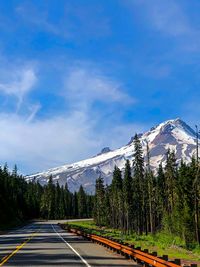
x=85, y=85
x=38, y=17
x=33, y=111
x=75, y=20
x=169, y=19
x=165, y=16
x=19, y=83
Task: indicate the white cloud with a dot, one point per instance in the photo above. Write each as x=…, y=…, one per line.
x=38, y=17
x=33, y=111
x=44, y=143
x=19, y=83
x=165, y=16
x=170, y=19
x=84, y=86
x=39, y=145
x=77, y=21
x=35, y=143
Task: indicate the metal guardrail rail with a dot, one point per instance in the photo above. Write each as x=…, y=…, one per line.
x=143, y=257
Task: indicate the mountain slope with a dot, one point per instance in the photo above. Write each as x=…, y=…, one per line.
x=173, y=134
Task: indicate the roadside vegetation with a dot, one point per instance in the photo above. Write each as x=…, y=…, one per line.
x=163, y=243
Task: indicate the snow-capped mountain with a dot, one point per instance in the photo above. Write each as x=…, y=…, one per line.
x=172, y=134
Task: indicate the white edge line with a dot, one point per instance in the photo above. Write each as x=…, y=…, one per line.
x=83, y=260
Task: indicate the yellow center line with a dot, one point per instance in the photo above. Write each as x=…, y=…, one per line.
x=6, y=258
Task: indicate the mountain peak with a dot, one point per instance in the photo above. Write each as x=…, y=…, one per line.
x=180, y=124
x=172, y=134
x=176, y=122
x=104, y=150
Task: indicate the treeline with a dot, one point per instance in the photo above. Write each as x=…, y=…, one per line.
x=140, y=201
x=59, y=203
x=21, y=200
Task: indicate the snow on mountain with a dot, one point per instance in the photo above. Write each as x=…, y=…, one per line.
x=172, y=134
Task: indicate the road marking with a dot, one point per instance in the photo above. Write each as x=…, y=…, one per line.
x=82, y=259
x=6, y=258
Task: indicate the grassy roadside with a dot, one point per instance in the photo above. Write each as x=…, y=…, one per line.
x=163, y=243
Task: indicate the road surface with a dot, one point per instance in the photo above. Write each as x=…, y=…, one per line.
x=46, y=244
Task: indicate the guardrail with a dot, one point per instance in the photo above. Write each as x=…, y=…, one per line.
x=142, y=257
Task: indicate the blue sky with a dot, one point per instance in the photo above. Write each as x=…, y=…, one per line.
x=76, y=76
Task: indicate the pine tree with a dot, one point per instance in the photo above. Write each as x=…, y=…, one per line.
x=171, y=183
x=62, y=203
x=107, y=206
x=99, y=208
x=82, y=209
x=160, y=196
x=14, y=172
x=127, y=197
x=149, y=196
x=57, y=211
x=75, y=205
x=138, y=186
x=115, y=199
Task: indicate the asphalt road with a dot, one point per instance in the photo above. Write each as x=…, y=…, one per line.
x=46, y=244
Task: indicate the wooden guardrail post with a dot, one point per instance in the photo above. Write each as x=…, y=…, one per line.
x=126, y=255
x=165, y=257
x=138, y=260
x=177, y=261
x=146, y=251
x=132, y=247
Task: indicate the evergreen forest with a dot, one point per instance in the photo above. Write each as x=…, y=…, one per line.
x=21, y=201
x=143, y=201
